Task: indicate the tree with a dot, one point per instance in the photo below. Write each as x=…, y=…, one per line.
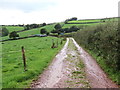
x=74, y=28
x=43, y=31
x=4, y=31
x=74, y=18
x=44, y=24
x=71, y=19
x=57, y=26
x=13, y=35
x=66, y=30
x=27, y=27
x=47, y=33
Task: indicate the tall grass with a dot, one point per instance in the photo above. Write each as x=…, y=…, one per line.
x=38, y=53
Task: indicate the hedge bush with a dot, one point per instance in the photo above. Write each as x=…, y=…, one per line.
x=104, y=41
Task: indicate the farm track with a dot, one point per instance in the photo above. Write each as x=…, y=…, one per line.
x=73, y=68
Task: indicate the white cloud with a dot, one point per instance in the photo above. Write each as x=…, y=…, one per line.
x=83, y=9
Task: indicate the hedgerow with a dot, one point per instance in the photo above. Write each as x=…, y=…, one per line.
x=103, y=40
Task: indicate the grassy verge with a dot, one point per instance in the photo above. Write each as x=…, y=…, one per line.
x=38, y=53
x=111, y=73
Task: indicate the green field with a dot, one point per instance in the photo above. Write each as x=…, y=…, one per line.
x=49, y=28
x=93, y=20
x=11, y=29
x=38, y=55
x=79, y=25
x=29, y=32
x=14, y=28
x=82, y=21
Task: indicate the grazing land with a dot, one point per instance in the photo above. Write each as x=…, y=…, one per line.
x=38, y=53
x=14, y=28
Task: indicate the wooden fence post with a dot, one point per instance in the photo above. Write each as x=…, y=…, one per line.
x=53, y=44
x=61, y=42
x=24, y=59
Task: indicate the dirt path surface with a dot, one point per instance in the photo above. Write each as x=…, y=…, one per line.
x=73, y=68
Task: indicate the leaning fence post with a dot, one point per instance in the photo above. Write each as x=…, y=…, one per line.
x=24, y=59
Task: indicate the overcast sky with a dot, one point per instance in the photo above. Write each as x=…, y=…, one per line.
x=49, y=11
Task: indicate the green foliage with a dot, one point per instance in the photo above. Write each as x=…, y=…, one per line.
x=43, y=31
x=47, y=33
x=74, y=28
x=66, y=30
x=103, y=41
x=11, y=29
x=44, y=24
x=57, y=26
x=71, y=19
x=31, y=26
x=4, y=31
x=13, y=35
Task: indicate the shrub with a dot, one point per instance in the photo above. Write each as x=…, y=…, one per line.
x=57, y=26
x=13, y=35
x=101, y=39
x=43, y=31
x=4, y=31
x=47, y=33
x=44, y=24
x=73, y=28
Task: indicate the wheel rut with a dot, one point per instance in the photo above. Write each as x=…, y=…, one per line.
x=73, y=67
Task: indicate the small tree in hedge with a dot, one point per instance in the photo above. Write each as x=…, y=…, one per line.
x=74, y=28
x=57, y=26
x=44, y=24
x=4, y=31
x=47, y=33
x=43, y=31
x=13, y=35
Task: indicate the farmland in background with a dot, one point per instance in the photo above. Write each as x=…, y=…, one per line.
x=14, y=28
